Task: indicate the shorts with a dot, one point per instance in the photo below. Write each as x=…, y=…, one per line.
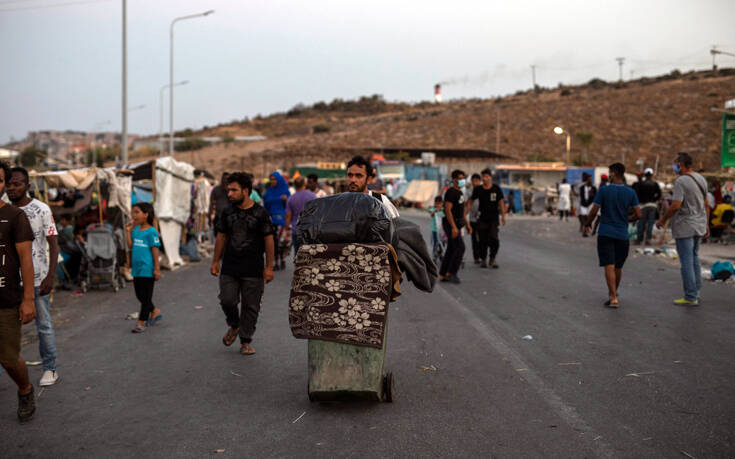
x=10, y=335
x=612, y=251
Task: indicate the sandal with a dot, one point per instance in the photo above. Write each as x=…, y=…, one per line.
x=155, y=320
x=610, y=304
x=138, y=329
x=247, y=349
x=230, y=336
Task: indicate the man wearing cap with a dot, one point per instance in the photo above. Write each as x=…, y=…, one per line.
x=649, y=193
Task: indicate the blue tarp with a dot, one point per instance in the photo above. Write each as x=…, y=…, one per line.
x=422, y=173
x=517, y=198
x=140, y=195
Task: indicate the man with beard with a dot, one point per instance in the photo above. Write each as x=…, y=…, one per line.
x=244, y=233
x=359, y=172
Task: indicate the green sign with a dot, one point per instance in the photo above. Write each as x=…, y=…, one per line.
x=728, y=140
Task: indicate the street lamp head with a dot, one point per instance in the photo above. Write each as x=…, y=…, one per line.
x=207, y=13
x=184, y=82
x=558, y=130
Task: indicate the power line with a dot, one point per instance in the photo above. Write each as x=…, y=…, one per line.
x=53, y=5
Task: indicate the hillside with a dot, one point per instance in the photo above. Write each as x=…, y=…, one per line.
x=609, y=122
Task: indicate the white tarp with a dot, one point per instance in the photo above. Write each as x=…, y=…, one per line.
x=421, y=191
x=170, y=238
x=173, y=190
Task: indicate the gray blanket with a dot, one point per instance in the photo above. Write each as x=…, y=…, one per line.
x=413, y=256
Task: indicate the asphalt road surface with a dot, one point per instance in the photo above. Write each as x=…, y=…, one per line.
x=648, y=380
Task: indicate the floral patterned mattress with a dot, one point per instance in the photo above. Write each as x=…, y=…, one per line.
x=340, y=292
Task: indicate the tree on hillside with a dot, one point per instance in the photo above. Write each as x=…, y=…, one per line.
x=30, y=156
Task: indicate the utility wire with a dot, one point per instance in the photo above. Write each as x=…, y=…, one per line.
x=53, y=5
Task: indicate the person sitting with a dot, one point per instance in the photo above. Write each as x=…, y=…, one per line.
x=722, y=217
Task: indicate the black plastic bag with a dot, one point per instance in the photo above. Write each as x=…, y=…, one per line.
x=344, y=217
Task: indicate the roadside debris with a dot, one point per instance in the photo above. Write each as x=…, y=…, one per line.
x=297, y=419
x=33, y=363
x=528, y=337
x=198, y=307
x=664, y=251
x=639, y=374
x=569, y=363
x=235, y=374
x=132, y=316
x=219, y=451
x=430, y=367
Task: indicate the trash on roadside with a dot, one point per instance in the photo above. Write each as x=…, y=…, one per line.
x=430, y=367
x=297, y=419
x=219, y=451
x=198, y=307
x=721, y=270
x=639, y=374
x=569, y=363
x=235, y=374
x=33, y=363
x=528, y=337
x=132, y=316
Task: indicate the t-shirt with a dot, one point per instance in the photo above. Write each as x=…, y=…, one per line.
x=43, y=226
x=437, y=217
x=219, y=198
x=691, y=219
x=296, y=202
x=456, y=197
x=14, y=228
x=255, y=196
x=246, y=230
x=142, y=257
x=719, y=211
x=489, y=202
x=614, y=200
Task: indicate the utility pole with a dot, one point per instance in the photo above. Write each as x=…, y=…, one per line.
x=715, y=52
x=533, y=76
x=620, y=66
x=497, y=130
x=124, y=146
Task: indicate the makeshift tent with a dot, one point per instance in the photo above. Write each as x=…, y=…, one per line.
x=421, y=191
x=172, y=204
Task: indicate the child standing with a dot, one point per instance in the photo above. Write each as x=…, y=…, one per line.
x=437, y=213
x=144, y=240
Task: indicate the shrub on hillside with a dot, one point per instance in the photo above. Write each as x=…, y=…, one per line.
x=190, y=144
x=320, y=129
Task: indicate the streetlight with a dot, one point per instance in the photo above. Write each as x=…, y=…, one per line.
x=160, y=128
x=171, y=78
x=560, y=131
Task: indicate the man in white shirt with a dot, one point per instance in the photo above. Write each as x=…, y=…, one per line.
x=359, y=171
x=45, y=253
x=312, y=184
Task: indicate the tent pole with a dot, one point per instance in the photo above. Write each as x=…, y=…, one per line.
x=99, y=196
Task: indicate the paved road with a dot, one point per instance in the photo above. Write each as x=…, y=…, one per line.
x=647, y=380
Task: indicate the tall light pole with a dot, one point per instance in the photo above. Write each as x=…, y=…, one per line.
x=124, y=140
x=620, y=66
x=160, y=128
x=560, y=131
x=171, y=78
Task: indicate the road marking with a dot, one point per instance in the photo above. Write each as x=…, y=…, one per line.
x=566, y=412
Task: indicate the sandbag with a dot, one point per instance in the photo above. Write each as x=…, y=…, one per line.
x=343, y=218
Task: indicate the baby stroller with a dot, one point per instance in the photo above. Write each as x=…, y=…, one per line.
x=101, y=259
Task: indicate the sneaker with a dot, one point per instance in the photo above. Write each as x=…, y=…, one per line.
x=49, y=378
x=685, y=302
x=26, y=406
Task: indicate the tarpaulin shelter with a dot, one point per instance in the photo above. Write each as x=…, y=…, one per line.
x=172, y=182
x=421, y=191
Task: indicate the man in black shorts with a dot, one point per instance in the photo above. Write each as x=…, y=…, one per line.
x=16, y=301
x=615, y=200
x=492, y=213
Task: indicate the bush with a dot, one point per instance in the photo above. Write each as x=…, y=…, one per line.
x=227, y=138
x=190, y=144
x=320, y=129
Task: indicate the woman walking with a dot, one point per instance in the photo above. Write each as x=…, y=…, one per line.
x=274, y=202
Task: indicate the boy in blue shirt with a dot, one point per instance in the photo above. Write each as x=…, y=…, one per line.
x=615, y=200
x=437, y=213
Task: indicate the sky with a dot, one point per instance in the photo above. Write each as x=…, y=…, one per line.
x=62, y=59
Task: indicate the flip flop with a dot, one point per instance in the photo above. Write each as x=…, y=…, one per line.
x=138, y=329
x=155, y=320
x=609, y=304
x=246, y=349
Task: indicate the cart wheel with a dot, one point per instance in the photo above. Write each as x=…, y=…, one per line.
x=389, y=386
x=84, y=287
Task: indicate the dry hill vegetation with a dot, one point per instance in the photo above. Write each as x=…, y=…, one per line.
x=609, y=122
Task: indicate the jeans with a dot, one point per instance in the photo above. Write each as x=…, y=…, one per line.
x=648, y=218
x=691, y=270
x=144, y=292
x=454, y=253
x=487, y=233
x=249, y=292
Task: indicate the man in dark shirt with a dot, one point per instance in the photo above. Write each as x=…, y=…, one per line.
x=492, y=213
x=218, y=200
x=244, y=233
x=453, y=221
x=649, y=193
x=16, y=301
